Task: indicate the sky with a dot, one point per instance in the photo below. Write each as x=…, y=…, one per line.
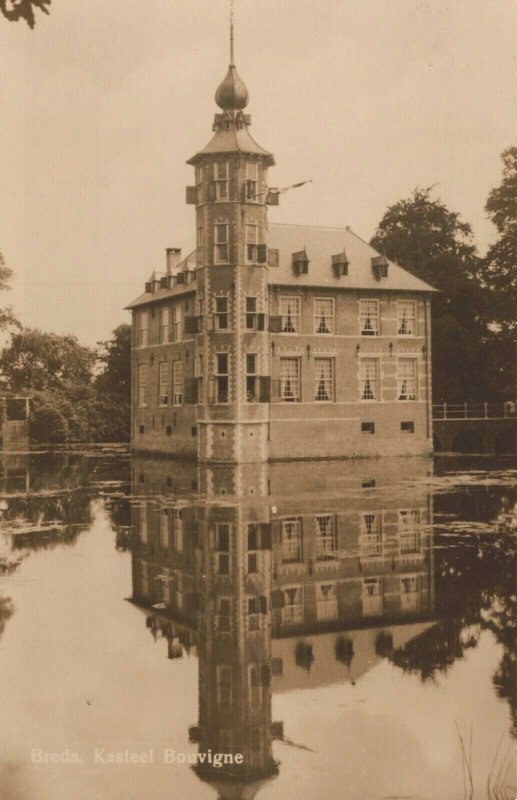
x=103, y=102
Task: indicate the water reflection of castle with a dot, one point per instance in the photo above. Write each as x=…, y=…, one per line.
x=279, y=575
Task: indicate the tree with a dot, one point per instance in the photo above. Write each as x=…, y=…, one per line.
x=6, y=314
x=38, y=361
x=498, y=274
x=433, y=243
x=115, y=355
x=15, y=10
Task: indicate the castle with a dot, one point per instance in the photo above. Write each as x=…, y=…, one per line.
x=271, y=341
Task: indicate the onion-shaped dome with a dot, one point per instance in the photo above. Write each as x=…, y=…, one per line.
x=231, y=94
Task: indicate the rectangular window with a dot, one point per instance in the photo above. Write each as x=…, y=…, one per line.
x=164, y=325
x=164, y=529
x=253, y=548
x=409, y=592
x=143, y=323
x=367, y=427
x=407, y=427
x=409, y=531
x=221, y=314
x=224, y=684
x=406, y=378
x=251, y=180
x=222, y=546
x=222, y=379
x=290, y=313
x=369, y=378
x=222, y=183
x=325, y=537
x=292, y=611
x=369, y=317
x=177, y=383
x=371, y=536
x=251, y=378
x=406, y=318
x=163, y=384
x=143, y=384
x=251, y=243
x=251, y=313
x=324, y=380
x=224, y=615
x=177, y=319
x=324, y=315
x=273, y=257
x=291, y=540
x=372, y=597
x=221, y=244
x=326, y=601
x=290, y=379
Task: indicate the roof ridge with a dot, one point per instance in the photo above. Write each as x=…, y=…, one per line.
x=322, y=227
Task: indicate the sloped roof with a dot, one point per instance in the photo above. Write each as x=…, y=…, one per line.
x=232, y=140
x=187, y=264
x=320, y=245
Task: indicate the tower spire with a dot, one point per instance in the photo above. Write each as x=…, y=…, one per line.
x=231, y=32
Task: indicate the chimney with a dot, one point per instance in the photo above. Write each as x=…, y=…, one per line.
x=173, y=258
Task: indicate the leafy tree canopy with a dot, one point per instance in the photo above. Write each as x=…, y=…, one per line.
x=15, y=10
x=115, y=355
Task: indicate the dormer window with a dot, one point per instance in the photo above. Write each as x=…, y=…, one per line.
x=300, y=263
x=380, y=266
x=340, y=264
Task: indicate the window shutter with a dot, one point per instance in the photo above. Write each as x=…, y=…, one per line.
x=276, y=391
x=261, y=322
x=263, y=604
x=190, y=396
x=191, y=195
x=265, y=536
x=275, y=324
x=261, y=253
x=191, y=325
x=273, y=198
x=211, y=191
x=265, y=673
x=264, y=388
x=211, y=389
x=277, y=599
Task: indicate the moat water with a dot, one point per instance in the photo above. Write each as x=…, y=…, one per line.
x=348, y=628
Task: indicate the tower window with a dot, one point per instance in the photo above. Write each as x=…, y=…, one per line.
x=251, y=312
x=251, y=378
x=251, y=243
x=199, y=243
x=221, y=171
x=251, y=180
x=222, y=378
x=221, y=244
x=221, y=313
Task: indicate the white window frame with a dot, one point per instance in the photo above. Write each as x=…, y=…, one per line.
x=365, y=313
x=143, y=328
x=328, y=382
x=163, y=383
x=292, y=540
x=252, y=180
x=164, y=324
x=143, y=384
x=290, y=381
x=326, y=600
x=219, y=375
x=326, y=540
x=290, y=318
x=251, y=315
x=372, y=535
x=322, y=318
x=403, y=319
x=252, y=375
x=293, y=612
x=373, y=597
x=164, y=529
x=251, y=242
x=222, y=181
x=410, y=526
x=374, y=382
x=407, y=384
x=221, y=314
x=177, y=383
x=177, y=322
x=221, y=243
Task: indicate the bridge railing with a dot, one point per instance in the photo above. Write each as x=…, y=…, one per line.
x=474, y=410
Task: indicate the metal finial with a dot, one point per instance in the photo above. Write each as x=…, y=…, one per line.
x=231, y=31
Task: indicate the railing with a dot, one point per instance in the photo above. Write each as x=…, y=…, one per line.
x=474, y=410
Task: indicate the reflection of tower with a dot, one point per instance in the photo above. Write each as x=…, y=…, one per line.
x=235, y=626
